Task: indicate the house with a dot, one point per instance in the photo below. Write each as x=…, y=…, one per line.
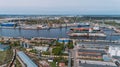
x=61, y=64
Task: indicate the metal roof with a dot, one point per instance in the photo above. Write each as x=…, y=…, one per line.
x=91, y=50
x=9, y=23
x=26, y=59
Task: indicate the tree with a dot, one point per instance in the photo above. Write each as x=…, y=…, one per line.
x=70, y=45
x=33, y=51
x=46, y=53
x=57, y=51
x=16, y=43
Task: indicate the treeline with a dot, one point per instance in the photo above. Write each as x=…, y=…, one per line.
x=63, y=19
x=48, y=20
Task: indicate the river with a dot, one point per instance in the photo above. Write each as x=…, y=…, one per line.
x=52, y=33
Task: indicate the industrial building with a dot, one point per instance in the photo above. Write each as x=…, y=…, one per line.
x=91, y=63
x=114, y=51
x=25, y=45
x=90, y=53
x=9, y=24
x=41, y=48
x=26, y=60
x=63, y=40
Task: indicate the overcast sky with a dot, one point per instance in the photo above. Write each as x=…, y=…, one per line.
x=60, y=7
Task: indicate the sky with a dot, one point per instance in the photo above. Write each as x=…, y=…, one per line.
x=80, y=7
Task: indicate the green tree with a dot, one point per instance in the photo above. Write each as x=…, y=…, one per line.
x=33, y=51
x=70, y=45
x=57, y=51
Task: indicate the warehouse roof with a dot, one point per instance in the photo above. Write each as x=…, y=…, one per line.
x=91, y=50
x=26, y=59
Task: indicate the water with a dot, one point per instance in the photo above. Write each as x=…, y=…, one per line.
x=52, y=33
x=109, y=32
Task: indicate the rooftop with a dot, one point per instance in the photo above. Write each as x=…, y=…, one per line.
x=92, y=50
x=26, y=59
x=89, y=63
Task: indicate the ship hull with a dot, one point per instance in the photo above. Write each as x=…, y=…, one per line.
x=87, y=35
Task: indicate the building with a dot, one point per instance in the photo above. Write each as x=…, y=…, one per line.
x=25, y=44
x=114, y=51
x=63, y=40
x=26, y=60
x=91, y=63
x=86, y=53
x=50, y=60
x=9, y=24
x=4, y=47
x=41, y=48
x=107, y=58
x=61, y=64
x=44, y=63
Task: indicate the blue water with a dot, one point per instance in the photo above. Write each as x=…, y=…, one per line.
x=52, y=33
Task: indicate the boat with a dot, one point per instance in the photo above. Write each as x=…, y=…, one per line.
x=86, y=32
x=84, y=25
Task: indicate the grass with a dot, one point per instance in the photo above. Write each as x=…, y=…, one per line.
x=18, y=63
x=2, y=56
x=53, y=64
x=5, y=56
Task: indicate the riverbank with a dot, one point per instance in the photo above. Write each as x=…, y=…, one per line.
x=40, y=27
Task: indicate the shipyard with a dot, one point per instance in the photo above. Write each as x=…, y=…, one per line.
x=64, y=44
x=59, y=33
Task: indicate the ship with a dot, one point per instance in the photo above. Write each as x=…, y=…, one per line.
x=86, y=32
x=84, y=25
x=8, y=24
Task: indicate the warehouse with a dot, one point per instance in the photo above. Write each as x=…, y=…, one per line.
x=28, y=62
x=9, y=24
x=91, y=53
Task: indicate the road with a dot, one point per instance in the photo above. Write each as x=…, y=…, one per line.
x=74, y=55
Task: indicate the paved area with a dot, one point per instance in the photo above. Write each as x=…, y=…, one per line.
x=74, y=56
